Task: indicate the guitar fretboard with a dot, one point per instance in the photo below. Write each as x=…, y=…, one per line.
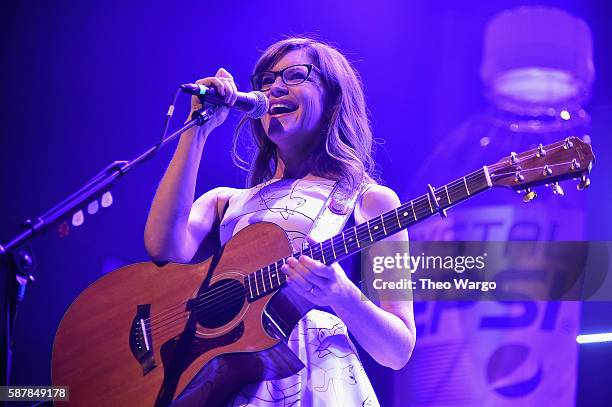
x=355, y=239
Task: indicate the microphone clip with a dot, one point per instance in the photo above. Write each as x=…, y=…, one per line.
x=204, y=114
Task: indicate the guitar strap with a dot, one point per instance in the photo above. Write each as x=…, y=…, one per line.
x=335, y=212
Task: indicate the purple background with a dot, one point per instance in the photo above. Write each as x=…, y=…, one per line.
x=87, y=83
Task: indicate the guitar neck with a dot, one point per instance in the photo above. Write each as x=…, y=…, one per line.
x=352, y=240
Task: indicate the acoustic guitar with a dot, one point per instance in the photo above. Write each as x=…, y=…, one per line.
x=139, y=335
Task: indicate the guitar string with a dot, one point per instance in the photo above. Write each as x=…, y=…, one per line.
x=503, y=174
x=202, y=307
x=206, y=296
x=549, y=149
x=421, y=203
x=416, y=202
x=199, y=312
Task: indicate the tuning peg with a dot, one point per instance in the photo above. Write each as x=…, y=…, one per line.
x=575, y=165
x=518, y=177
x=529, y=195
x=547, y=171
x=557, y=190
x=568, y=144
x=541, y=152
x=584, y=183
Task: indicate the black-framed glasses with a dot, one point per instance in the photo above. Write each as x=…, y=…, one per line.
x=291, y=75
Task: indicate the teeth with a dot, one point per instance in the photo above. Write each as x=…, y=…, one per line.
x=276, y=106
x=281, y=105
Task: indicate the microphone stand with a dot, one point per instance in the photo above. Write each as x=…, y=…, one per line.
x=18, y=259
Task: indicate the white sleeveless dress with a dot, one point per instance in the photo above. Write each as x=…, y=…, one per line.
x=333, y=375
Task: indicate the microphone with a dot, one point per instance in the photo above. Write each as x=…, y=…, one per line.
x=255, y=104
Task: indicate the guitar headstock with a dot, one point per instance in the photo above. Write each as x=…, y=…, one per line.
x=569, y=158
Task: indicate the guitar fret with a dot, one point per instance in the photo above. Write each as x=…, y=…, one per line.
x=398, y=219
x=429, y=202
x=332, y=246
x=281, y=274
x=313, y=253
x=369, y=231
x=322, y=254
x=466, y=186
x=382, y=222
x=263, y=280
x=256, y=283
x=356, y=238
x=422, y=213
x=376, y=228
x=389, y=222
x=277, y=274
x=250, y=287
x=413, y=212
x=441, y=203
x=270, y=277
x=344, y=241
x=404, y=217
x=447, y=195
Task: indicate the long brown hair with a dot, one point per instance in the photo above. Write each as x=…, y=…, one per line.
x=345, y=151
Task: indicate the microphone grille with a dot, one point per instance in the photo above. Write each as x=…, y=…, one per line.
x=262, y=105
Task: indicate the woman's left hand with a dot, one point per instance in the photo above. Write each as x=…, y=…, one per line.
x=320, y=284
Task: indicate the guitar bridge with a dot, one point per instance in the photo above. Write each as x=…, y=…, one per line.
x=141, y=340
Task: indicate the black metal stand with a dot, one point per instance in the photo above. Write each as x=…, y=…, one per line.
x=18, y=260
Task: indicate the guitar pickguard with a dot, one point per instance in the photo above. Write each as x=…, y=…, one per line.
x=170, y=351
x=179, y=352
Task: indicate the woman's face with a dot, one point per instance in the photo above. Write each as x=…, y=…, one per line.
x=300, y=127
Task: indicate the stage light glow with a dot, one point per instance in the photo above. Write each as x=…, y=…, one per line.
x=107, y=199
x=565, y=115
x=594, y=338
x=78, y=218
x=93, y=207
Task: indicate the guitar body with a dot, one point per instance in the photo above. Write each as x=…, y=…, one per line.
x=137, y=337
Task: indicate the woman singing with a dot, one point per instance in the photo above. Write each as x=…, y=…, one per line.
x=315, y=133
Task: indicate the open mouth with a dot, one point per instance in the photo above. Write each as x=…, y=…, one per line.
x=281, y=108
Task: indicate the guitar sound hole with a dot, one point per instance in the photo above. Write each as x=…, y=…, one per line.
x=220, y=303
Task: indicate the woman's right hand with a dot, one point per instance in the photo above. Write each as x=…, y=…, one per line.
x=223, y=82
